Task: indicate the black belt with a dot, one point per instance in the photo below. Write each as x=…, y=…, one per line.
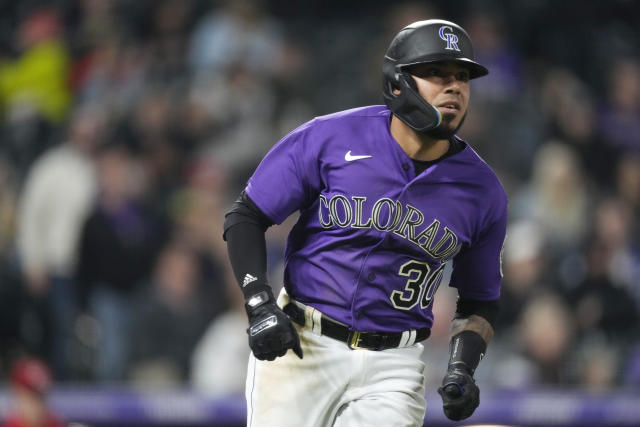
x=356, y=340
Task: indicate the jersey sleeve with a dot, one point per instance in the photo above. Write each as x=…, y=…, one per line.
x=288, y=177
x=477, y=269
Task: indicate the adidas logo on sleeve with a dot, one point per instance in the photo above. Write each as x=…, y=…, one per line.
x=248, y=279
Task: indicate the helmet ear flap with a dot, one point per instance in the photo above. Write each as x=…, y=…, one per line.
x=391, y=76
x=408, y=105
x=397, y=78
x=406, y=78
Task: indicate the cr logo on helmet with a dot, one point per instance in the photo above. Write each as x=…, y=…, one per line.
x=450, y=38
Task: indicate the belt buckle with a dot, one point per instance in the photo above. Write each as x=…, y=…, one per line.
x=354, y=341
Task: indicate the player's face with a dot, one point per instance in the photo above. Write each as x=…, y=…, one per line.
x=445, y=85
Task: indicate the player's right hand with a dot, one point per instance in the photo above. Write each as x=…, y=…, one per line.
x=271, y=332
x=460, y=394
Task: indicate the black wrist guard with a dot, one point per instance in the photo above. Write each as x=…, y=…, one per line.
x=257, y=300
x=466, y=350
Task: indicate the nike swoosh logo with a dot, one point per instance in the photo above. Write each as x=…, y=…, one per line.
x=350, y=158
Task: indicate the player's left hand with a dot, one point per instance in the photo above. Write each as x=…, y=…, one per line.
x=460, y=394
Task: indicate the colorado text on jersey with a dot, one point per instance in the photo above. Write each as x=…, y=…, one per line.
x=388, y=215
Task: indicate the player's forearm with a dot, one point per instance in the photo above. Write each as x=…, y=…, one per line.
x=471, y=332
x=244, y=228
x=470, y=336
x=475, y=324
x=246, y=246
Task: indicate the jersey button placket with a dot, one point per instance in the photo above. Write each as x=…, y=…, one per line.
x=408, y=172
x=371, y=277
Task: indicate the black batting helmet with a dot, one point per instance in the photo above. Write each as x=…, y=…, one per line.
x=433, y=40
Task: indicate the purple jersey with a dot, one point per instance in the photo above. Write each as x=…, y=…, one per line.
x=372, y=240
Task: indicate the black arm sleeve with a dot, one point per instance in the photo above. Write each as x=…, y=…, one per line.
x=244, y=228
x=485, y=309
x=245, y=210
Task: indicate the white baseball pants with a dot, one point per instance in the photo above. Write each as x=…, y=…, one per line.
x=336, y=386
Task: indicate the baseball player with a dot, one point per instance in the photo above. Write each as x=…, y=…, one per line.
x=387, y=195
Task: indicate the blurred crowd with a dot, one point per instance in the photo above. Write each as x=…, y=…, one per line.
x=129, y=127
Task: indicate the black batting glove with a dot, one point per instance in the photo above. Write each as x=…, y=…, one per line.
x=270, y=330
x=460, y=394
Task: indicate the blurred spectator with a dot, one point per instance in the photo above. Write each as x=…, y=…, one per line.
x=30, y=383
x=192, y=123
x=243, y=107
x=90, y=23
x=557, y=198
x=169, y=40
x=628, y=181
x=503, y=121
x=492, y=48
x=218, y=360
x=38, y=78
x=627, y=184
x=119, y=244
x=546, y=335
x=25, y=320
x=8, y=208
x=172, y=317
x=113, y=74
x=603, y=302
x=613, y=227
x=57, y=196
x=234, y=97
x=524, y=266
x=569, y=110
x=202, y=196
x=147, y=133
x=598, y=362
x=620, y=115
x=34, y=90
x=631, y=368
x=236, y=32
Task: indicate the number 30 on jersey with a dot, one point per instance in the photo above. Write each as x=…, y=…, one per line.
x=421, y=285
